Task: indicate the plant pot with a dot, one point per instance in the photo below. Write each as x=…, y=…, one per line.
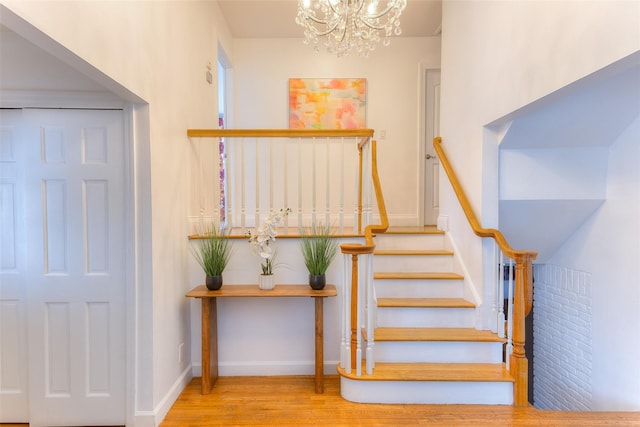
x=265, y=281
x=213, y=282
x=317, y=281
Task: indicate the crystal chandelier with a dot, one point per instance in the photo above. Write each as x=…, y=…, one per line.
x=349, y=26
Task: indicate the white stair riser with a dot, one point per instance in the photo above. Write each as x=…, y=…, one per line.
x=438, y=352
x=393, y=288
x=427, y=392
x=412, y=263
x=426, y=317
x=410, y=241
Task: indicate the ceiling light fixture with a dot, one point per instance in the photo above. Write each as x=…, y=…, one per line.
x=349, y=26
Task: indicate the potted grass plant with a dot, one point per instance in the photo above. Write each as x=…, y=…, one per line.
x=319, y=248
x=213, y=254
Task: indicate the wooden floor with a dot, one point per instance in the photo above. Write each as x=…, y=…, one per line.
x=291, y=401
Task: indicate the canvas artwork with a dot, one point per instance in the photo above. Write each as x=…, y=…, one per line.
x=327, y=103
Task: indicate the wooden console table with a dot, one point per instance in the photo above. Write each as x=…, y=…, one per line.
x=210, y=322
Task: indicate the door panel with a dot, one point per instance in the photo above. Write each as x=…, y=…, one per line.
x=14, y=399
x=431, y=165
x=74, y=198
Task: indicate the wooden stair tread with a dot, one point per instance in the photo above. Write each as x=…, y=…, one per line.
x=410, y=276
x=425, y=302
x=435, y=334
x=427, y=229
x=432, y=252
x=452, y=372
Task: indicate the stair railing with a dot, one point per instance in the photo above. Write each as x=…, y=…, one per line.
x=359, y=298
x=312, y=172
x=520, y=288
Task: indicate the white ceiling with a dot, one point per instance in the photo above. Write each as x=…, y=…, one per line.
x=276, y=18
x=25, y=67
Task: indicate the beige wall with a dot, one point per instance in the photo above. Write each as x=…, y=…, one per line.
x=393, y=101
x=154, y=51
x=500, y=56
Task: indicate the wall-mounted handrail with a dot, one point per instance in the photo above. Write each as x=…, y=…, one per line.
x=523, y=292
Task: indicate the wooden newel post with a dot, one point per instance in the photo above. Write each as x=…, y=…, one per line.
x=518, y=362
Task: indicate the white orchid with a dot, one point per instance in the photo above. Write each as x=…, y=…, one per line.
x=266, y=233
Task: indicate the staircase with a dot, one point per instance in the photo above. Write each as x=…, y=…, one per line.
x=426, y=347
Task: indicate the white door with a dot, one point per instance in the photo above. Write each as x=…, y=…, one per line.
x=431, y=164
x=14, y=390
x=73, y=199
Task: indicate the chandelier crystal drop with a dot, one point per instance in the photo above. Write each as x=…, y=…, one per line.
x=349, y=26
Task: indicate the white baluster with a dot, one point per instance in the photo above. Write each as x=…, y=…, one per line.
x=342, y=186
x=230, y=184
x=300, y=167
x=509, y=348
x=346, y=315
x=257, y=183
x=243, y=186
x=371, y=310
x=494, y=280
x=313, y=181
x=285, y=172
x=271, y=172
x=500, y=296
x=355, y=197
x=359, y=315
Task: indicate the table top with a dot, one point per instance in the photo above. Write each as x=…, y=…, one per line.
x=253, y=291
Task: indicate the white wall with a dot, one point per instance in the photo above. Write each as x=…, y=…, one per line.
x=607, y=247
x=261, y=71
x=159, y=52
x=499, y=56
x=270, y=336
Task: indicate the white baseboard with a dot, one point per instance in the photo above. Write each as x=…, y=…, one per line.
x=162, y=408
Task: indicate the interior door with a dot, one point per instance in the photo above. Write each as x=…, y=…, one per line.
x=431, y=163
x=14, y=398
x=73, y=162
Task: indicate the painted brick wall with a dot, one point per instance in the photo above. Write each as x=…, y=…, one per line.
x=562, y=339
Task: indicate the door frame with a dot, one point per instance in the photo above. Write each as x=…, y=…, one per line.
x=138, y=261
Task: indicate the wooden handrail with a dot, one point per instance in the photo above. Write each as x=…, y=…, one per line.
x=518, y=256
x=468, y=210
x=278, y=133
x=372, y=229
x=523, y=296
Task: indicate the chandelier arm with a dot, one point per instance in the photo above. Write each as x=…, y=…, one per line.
x=365, y=19
x=328, y=31
x=373, y=27
x=333, y=9
x=345, y=22
x=384, y=12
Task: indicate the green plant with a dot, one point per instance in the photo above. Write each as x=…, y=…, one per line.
x=214, y=251
x=319, y=248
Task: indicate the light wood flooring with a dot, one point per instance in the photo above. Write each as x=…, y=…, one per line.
x=291, y=401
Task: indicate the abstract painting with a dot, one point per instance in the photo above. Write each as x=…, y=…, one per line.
x=327, y=103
